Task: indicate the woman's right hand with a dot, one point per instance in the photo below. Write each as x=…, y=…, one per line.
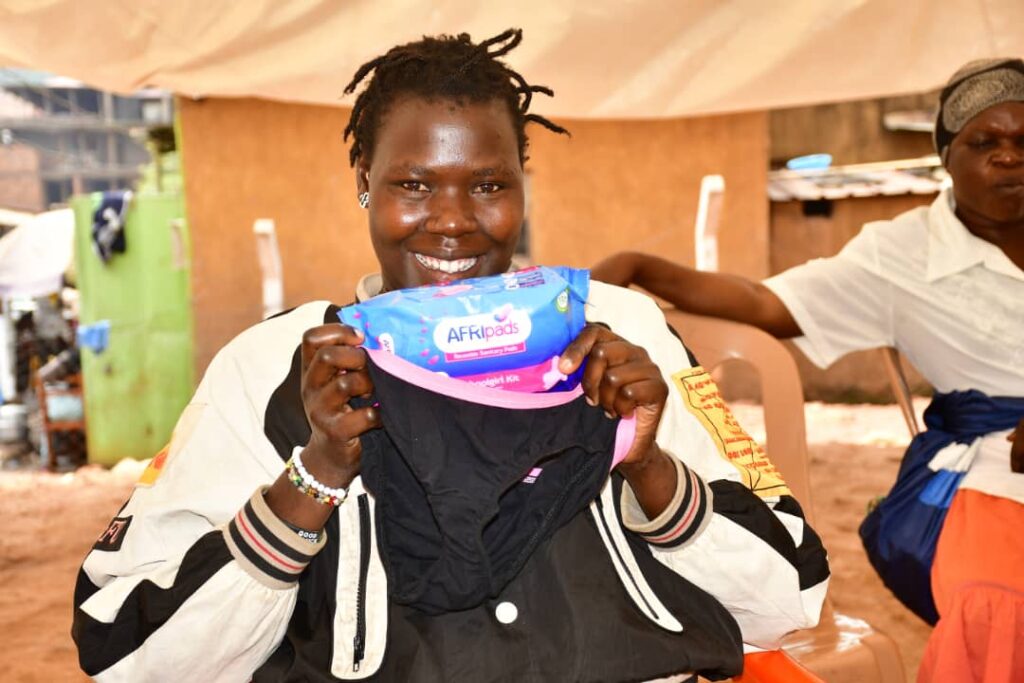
x=333, y=372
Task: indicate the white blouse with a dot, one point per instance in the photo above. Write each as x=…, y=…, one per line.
x=950, y=301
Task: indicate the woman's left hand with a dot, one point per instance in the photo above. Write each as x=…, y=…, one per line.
x=621, y=378
x=1016, y=437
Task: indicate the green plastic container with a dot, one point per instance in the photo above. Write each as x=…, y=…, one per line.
x=136, y=388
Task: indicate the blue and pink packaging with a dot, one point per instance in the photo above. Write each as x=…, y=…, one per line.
x=503, y=331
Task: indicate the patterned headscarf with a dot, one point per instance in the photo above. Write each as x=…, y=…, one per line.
x=975, y=87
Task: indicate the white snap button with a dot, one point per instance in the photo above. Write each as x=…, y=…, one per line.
x=506, y=612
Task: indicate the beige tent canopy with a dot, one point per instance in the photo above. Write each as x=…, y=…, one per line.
x=604, y=58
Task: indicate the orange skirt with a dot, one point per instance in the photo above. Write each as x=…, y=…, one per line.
x=978, y=584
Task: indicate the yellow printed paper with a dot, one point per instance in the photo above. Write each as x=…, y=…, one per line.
x=700, y=394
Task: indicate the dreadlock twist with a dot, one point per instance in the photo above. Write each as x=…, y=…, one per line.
x=442, y=67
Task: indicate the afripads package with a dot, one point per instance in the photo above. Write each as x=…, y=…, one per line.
x=504, y=331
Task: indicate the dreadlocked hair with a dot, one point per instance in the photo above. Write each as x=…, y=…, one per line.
x=442, y=68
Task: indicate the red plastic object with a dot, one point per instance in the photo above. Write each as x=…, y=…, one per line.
x=774, y=666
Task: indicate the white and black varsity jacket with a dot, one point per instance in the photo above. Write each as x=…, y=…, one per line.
x=196, y=580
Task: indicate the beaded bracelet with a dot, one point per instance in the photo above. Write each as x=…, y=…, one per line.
x=312, y=536
x=307, y=483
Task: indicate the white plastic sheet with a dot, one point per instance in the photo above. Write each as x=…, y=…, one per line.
x=35, y=254
x=604, y=58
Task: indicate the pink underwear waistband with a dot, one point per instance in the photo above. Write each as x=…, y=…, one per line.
x=500, y=398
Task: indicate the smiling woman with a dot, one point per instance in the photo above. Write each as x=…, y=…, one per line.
x=319, y=517
x=439, y=158
x=445, y=192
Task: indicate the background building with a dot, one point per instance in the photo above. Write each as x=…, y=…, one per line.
x=60, y=137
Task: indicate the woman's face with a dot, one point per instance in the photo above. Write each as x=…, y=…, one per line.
x=986, y=162
x=446, y=191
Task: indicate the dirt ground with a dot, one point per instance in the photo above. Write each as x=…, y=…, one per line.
x=48, y=522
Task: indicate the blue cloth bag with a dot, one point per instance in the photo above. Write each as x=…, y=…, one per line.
x=900, y=535
x=94, y=337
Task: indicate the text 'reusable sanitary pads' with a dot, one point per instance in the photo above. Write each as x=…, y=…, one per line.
x=504, y=331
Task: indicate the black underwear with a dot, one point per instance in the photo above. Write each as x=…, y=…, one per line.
x=465, y=491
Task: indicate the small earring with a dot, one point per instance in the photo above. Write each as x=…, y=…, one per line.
x=364, y=200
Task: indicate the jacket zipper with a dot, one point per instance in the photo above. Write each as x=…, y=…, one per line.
x=359, y=642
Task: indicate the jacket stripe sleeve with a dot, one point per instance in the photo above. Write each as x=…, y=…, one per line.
x=254, y=559
x=268, y=550
x=685, y=517
x=146, y=608
x=753, y=552
x=196, y=579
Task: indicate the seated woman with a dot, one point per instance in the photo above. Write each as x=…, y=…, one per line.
x=945, y=285
x=257, y=548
